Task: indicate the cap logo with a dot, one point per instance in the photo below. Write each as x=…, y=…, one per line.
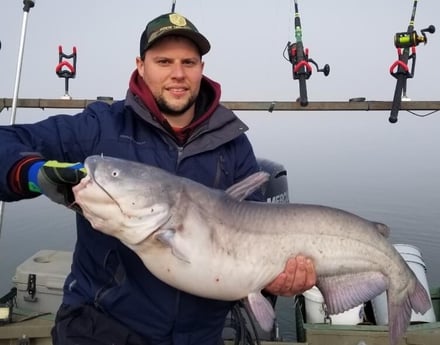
x=177, y=19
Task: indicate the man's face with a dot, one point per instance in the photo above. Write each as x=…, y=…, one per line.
x=172, y=69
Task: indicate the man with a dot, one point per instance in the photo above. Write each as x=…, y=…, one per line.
x=170, y=118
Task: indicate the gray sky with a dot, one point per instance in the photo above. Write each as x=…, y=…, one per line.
x=247, y=36
x=356, y=160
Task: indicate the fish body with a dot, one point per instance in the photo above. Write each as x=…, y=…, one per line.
x=212, y=244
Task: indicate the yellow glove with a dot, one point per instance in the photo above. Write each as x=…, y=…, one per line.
x=55, y=180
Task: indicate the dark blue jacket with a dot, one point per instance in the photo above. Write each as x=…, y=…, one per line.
x=104, y=272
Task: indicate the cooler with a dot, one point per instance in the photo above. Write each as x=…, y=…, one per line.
x=39, y=280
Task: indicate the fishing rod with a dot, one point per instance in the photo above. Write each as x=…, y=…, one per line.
x=173, y=6
x=28, y=4
x=406, y=43
x=299, y=58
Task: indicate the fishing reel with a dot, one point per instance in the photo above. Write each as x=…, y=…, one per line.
x=412, y=39
x=299, y=58
x=406, y=40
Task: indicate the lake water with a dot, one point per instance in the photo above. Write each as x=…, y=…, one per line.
x=358, y=162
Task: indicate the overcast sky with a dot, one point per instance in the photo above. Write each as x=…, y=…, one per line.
x=248, y=38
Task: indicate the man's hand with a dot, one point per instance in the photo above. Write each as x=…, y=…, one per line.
x=55, y=180
x=299, y=275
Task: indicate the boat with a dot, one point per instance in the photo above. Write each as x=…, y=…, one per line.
x=27, y=311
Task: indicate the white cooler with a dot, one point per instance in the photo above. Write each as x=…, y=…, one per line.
x=39, y=280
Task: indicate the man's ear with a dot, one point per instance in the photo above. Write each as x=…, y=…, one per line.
x=140, y=65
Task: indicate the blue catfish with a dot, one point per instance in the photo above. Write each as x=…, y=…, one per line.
x=212, y=244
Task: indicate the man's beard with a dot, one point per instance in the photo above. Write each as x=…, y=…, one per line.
x=166, y=109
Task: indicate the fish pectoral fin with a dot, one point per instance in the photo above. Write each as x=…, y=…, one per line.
x=246, y=187
x=344, y=292
x=262, y=310
x=168, y=238
x=136, y=226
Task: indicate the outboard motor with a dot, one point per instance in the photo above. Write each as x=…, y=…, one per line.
x=276, y=190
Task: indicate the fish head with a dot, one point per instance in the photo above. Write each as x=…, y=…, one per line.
x=124, y=199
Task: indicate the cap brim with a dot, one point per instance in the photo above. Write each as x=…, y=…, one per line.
x=200, y=41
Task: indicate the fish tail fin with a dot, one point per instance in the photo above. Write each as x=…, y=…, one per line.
x=400, y=308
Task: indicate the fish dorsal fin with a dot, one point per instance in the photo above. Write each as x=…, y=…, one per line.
x=262, y=310
x=383, y=229
x=343, y=292
x=246, y=187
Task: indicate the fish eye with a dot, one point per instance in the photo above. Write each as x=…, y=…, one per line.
x=115, y=173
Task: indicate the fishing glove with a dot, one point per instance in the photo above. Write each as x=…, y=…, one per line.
x=55, y=180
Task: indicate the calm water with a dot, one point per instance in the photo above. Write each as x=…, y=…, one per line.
x=358, y=162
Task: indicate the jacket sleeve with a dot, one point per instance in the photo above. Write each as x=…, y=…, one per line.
x=67, y=138
x=246, y=164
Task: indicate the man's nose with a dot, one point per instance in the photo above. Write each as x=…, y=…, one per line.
x=178, y=70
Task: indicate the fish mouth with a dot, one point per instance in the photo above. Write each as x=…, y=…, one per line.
x=149, y=218
x=91, y=164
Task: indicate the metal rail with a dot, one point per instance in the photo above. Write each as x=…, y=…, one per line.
x=240, y=105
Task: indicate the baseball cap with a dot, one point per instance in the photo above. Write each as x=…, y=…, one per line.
x=172, y=24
